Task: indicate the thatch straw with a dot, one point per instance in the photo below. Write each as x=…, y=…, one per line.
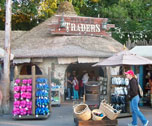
x=66, y=8
x=14, y=35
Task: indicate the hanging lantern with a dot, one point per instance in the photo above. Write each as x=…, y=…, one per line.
x=104, y=25
x=62, y=23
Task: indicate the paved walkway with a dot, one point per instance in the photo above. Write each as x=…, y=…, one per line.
x=62, y=116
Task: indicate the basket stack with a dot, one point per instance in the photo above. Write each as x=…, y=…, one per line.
x=98, y=111
x=82, y=112
x=110, y=112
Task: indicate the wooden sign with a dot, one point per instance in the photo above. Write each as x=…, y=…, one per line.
x=80, y=26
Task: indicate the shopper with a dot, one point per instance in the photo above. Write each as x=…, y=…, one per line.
x=75, y=88
x=85, y=78
x=133, y=94
x=69, y=85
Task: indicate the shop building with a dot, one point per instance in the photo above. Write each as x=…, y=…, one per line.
x=51, y=44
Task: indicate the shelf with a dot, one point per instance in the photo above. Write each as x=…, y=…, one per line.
x=114, y=85
x=57, y=89
x=150, y=69
x=147, y=88
x=118, y=76
x=31, y=117
x=122, y=115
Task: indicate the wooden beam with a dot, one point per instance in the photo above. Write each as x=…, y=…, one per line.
x=7, y=57
x=49, y=82
x=108, y=84
x=16, y=74
x=33, y=89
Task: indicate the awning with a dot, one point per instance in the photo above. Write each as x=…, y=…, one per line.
x=25, y=60
x=79, y=60
x=2, y=54
x=67, y=60
x=88, y=60
x=144, y=51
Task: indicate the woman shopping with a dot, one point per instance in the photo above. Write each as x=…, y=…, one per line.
x=133, y=94
x=75, y=88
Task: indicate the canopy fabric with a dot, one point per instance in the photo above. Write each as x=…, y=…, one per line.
x=124, y=58
x=2, y=54
x=144, y=51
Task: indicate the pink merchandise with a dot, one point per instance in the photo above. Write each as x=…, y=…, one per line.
x=23, y=104
x=23, y=111
x=29, y=81
x=16, y=104
x=23, y=95
x=29, y=105
x=24, y=81
x=29, y=88
x=29, y=111
x=17, y=88
x=17, y=81
x=17, y=95
x=23, y=88
x=16, y=111
x=28, y=95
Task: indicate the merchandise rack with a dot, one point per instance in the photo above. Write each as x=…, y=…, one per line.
x=56, y=91
x=128, y=112
x=33, y=77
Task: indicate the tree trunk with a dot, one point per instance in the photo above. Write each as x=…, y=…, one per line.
x=6, y=82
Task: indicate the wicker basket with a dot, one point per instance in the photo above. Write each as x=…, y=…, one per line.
x=82, y=112
x=94, y=117
x=110, y=112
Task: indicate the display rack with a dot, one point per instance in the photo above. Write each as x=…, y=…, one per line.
x=147, y=99
x=32, y=104
x=119, y=93
x=55, y=96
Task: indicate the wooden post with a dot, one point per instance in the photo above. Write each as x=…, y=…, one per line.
x=49, y=82
x=16, y=72
x=33, y=90
x=7, y=53
x=108, y=84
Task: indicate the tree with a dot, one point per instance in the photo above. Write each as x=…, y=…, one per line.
x=131, y=17
x=26, y=14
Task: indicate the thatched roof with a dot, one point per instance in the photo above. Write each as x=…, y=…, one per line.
x=14, y=35
x=66, y=8
x=38, y=42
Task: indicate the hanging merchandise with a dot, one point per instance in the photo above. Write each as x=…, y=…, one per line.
x=31, y=96
x=22, y=97
x=119, y=93
x=42, y=97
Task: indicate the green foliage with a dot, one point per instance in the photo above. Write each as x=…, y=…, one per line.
x=56, y=81
x=131, y=17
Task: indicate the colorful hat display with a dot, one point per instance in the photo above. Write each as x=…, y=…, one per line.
x=23, y=88
x=29, y=88
x=16, y=111
x=17, y=95
x=17, y=88
x=16, y=104
x=42, y=94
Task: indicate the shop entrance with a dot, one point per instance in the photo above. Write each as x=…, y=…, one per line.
x=78, y=70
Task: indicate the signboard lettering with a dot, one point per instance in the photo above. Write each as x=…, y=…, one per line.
x=80, y=26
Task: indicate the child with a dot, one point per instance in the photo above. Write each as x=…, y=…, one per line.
x=75, y=88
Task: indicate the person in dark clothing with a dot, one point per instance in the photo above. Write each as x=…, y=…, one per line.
x=69, y=85
x=133, y=94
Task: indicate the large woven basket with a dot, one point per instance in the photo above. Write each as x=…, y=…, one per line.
x=94, y=117
x=82, y=112
x=110, y=112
